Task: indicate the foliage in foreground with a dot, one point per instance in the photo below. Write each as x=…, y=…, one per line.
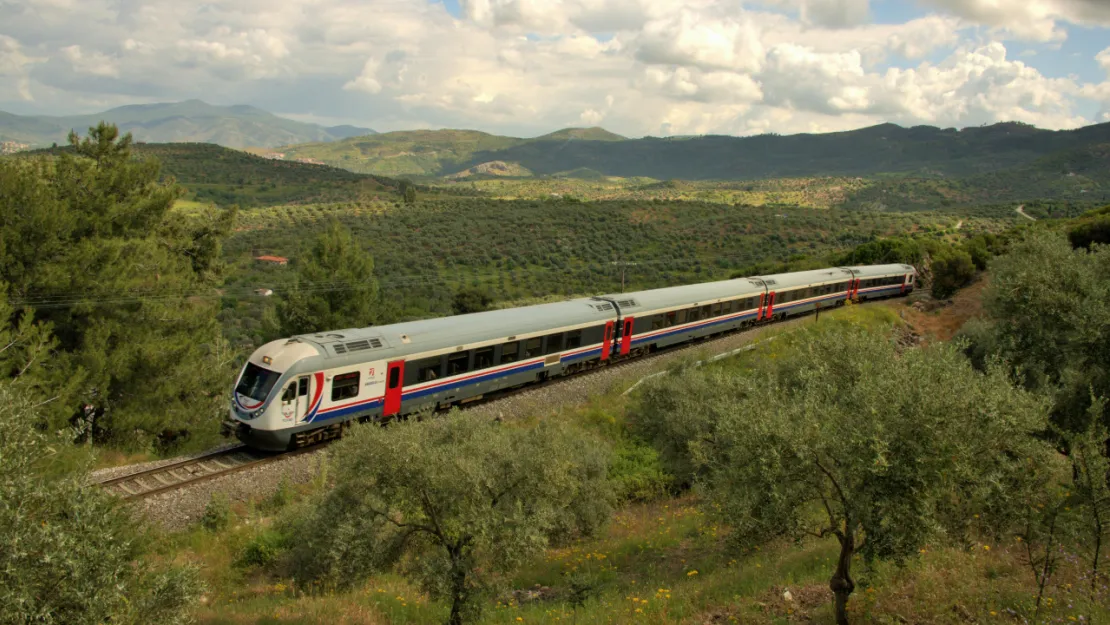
x=845, y=436
x=71, y=554
x=457, y=501
x=1048, y=315
x=89, y=248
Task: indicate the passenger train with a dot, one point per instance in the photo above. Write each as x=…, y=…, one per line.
x=302, y=390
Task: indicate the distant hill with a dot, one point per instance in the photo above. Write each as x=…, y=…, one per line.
x=1078, y=174
x=887, y=148
x=190, y=121
x=435, y=152
x=212, y=173
x=583, y=134
x=493, y=169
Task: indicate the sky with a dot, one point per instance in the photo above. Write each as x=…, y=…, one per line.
x=528, y=67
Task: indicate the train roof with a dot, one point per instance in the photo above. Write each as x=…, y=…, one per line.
x=688, y=295
x=868, y=271
x=410, y=337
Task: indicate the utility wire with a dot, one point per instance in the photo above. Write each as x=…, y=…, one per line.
x=129, y=296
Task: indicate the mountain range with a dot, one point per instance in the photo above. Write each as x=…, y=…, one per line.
x=887, y=148
x=190, y=121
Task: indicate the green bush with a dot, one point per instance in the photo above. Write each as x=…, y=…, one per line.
x=263, y=549
x=217, y=514
x=637, y=472
x=952, y=271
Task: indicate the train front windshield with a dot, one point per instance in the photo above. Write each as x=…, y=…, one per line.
x=257, y=382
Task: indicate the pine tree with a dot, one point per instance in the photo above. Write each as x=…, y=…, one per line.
x=91, y=247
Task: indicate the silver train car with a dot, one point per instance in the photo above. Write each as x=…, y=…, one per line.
x=305, y=389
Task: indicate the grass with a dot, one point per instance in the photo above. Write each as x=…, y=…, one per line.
x=664, y=560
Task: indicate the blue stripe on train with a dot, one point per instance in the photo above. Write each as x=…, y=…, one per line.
x=409, y=395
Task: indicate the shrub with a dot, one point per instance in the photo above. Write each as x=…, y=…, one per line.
x=217, y=514
x=952, y=271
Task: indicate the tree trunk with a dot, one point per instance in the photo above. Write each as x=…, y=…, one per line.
x=841, y=583
x=458, y=586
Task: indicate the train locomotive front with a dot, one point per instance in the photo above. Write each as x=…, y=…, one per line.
x=278, y=393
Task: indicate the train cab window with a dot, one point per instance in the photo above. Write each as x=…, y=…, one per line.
x=532, y=347
x=510, y=352
x=672, y=318
x=290, y=393
x=483, y=358
x=554, y=343
x=909, y=280
x=302, y=387
x=345, y=386
x=574, y=339
x=457, y=362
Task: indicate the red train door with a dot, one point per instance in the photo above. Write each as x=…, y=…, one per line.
x=854, y=291
x=607, y=341
x=395, y=372
x=904, y=279
x=759, y=317
x=626, y=336
x=770, y=304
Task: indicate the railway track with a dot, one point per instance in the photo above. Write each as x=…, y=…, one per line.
x=192, y=471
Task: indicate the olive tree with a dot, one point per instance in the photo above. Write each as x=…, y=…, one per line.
x=70, y=553
x=1048, y=315
x=467, y=498
x=844, y=436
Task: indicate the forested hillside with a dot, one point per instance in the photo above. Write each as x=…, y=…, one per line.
x=189, y=121
x=211, y=173
x=880, y=149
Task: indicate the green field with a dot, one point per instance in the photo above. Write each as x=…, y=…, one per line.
x=521, y=250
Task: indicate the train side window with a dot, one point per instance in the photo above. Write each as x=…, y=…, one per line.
x=672, y=318
x=290, y=393
x=533, y=347
x=457, y=362
x=592, y=335
x=345, y=386
x=657, y=322
x=715, y=310
x=302, y=387
x=554, y=343
x=483, y=358
x=510, y=352
x=422, y=370
x=574, y=339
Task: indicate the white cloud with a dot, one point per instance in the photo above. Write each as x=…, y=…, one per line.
x=94, y=63
x=694, y=40
x=528, y=66
x=366, y=81
x=1100, y=92
x=1037, y=20
x=14, y=66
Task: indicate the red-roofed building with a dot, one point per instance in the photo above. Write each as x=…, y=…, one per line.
x=273, y=260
